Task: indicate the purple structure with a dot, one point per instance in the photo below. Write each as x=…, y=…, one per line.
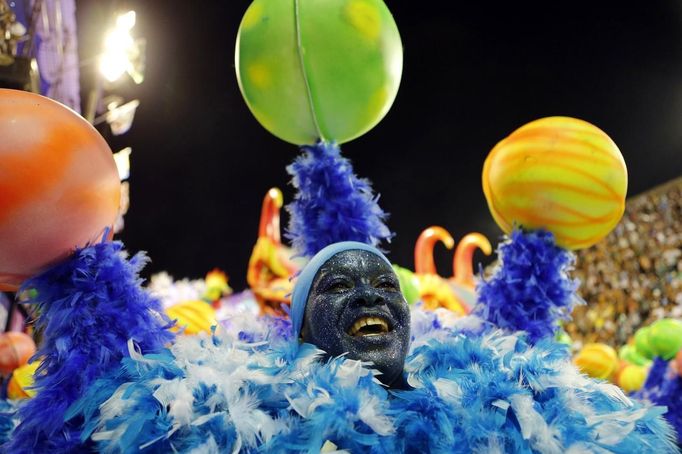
x=57, y=52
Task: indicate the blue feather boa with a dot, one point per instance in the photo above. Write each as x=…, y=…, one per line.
x=90, y=306
x=488, y=393
x=663, y=387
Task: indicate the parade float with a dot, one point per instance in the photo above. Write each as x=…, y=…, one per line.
x=193, y=367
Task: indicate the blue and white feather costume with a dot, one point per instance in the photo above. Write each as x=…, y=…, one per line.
x=250, y=387
x=492, y=382
x=492, y=392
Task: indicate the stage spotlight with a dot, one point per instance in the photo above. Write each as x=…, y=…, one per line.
x=122, y=53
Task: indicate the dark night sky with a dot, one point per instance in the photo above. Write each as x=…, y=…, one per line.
x=473, y=72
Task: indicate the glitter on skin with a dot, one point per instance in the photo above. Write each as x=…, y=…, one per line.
x=351, y=285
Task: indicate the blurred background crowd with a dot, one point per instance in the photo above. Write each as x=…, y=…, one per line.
x=634, y=276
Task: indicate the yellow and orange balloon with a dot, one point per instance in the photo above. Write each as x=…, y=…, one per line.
x=20, y=386
x=558, y=173
x=631, y=377
x=59, y=186
x=597, y=360
x=192, y=317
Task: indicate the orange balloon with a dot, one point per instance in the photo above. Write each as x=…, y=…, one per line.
x=678, y=362
x=15, y=350
x=59, y=186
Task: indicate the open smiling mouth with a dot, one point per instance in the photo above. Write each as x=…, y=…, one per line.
x=369, y=326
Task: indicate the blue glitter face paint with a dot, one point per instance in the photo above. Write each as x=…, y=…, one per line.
x=355, y=306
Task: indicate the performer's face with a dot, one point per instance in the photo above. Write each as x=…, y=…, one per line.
x=355, y=306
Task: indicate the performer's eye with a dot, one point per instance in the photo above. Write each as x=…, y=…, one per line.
x=338, y=285
x=387, y=283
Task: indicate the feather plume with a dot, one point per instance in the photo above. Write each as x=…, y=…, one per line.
x=90, y=305
x=530, y=290
x=331, y=203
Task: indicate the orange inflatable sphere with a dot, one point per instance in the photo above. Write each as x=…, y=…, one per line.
x=15, y=350
x=597, y=360
x=59, y=186
x=558, y=173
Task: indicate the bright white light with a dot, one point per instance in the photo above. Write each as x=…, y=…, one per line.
x=118, y=48
x=126, y=21
x=113, y=65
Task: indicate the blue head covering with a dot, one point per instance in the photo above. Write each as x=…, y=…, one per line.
x=305, y=278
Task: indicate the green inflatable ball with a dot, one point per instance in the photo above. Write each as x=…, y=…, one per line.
x=665, y=338
x=562, y=337
x=409, y=284
x=311, y=69
x=642, y=343
x=629, y=353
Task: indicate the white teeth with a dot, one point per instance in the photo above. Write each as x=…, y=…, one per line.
x=379, y=326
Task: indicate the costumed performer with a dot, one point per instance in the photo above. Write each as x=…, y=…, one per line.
x=257, y=388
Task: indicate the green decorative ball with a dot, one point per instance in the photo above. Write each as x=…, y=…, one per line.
x=629, y=353
x=642, y=342
x=409, y=284
x=665, y=338
x=562, y=337
x=312, y=70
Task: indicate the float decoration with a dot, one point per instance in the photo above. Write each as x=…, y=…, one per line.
x=59, y=186
x=271, y=265
x=217, y=286
x=434, y=290
x=318, y=71
x=192, y=317
x=456, y=293
x=317, y=74
x=463, y=261
x=631, y=377
x=21, y=383
x=557, y=173
x=196, y=312
x=665, y=338
x=15, y=350
x=630, y=354
x=597, y=360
